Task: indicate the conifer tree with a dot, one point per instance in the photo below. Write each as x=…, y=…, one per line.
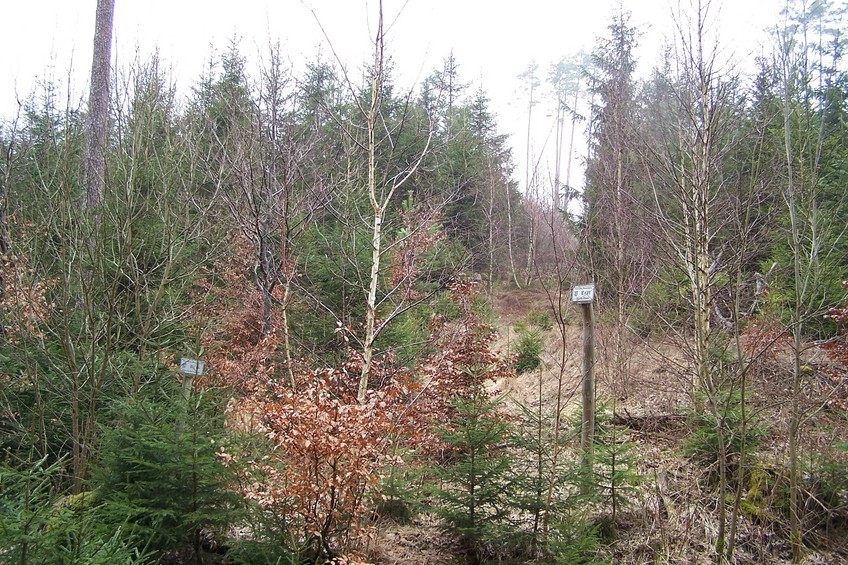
x=163, y=471
x=475, y=491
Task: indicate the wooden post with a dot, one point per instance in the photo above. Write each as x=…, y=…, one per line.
x=587, y=435
x=584, y=295
x=187, y=383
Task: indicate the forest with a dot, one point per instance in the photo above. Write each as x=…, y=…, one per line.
x=314, y=317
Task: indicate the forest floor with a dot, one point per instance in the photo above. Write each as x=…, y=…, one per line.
x=672, y=516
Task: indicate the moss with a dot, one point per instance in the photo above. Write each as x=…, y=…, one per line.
x=758, y=484
x=754, y=510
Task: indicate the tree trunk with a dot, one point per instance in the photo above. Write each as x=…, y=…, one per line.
x=509, y=236
x=491, y=220
x=797, y=336
x=530, y=195
x=4, y=198
x=5, y=242
x=378, y=209
x=94, y=171
x=571, y=147
x=380, y=194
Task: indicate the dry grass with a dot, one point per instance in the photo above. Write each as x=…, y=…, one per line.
x=674, y=516
x=422, y=542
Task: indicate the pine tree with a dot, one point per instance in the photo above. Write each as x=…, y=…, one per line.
x=475, y=491
x=162, y=471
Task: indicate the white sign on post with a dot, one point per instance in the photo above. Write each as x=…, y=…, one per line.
x=583, y=294
x=191, y=367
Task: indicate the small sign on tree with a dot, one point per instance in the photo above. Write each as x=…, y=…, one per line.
x=583, y=294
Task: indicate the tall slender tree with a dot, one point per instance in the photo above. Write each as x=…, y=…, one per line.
x=612, y=199
x=566, y=79
x=613, y=202
x=531, y=188
x=690, y=177
x=380, y=192
x=94, y=172
x=811, y=33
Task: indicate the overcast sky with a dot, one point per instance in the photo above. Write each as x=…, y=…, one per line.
x=493, y=41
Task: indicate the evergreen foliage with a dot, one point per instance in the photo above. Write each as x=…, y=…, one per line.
x=528, y=349
x=577, y=541
x=162, y=470
x=829, y=481
x=474, y=489
x=544, y=487
x=401, y=490
x=38, y=526
x=615, y=476
x=703, y=444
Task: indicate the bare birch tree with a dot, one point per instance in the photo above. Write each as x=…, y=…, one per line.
x=386, y=172
x=380, y=195
x=687, y=173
